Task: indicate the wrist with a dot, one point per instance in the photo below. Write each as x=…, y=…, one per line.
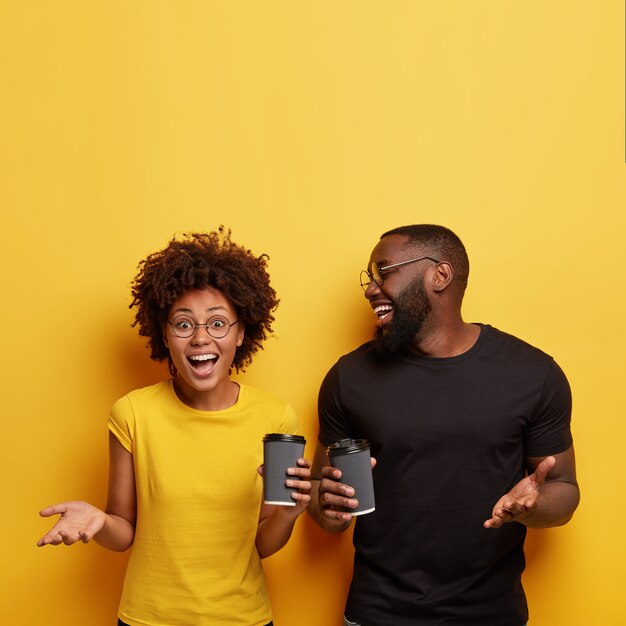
x=287, y=514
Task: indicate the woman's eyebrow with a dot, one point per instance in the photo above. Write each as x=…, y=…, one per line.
x=218, y=307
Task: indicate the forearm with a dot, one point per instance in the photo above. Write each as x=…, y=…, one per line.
x=274, y=531
x=555, y=506
x=117, y=533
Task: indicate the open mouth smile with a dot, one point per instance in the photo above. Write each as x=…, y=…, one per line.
x=383, y=311
x=203, y=363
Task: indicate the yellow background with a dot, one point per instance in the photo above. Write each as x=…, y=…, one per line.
x=309, y=128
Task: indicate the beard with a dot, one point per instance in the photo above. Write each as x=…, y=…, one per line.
x=410, y=312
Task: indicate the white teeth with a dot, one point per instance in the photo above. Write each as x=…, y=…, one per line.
x=383, y=309
x=202, y=357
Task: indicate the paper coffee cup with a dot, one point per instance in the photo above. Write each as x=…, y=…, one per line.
x=352, y=457
x=280, y=452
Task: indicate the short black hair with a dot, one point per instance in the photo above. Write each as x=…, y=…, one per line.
x=440, y=242
x=199, y=260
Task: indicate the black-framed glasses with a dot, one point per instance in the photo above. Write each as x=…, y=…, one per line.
x=376, y=273
x=184, y=326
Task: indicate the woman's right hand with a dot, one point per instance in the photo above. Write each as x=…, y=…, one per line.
x=79, y=521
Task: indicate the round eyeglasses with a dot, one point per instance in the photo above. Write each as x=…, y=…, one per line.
x=376, y=273
x=217, y=326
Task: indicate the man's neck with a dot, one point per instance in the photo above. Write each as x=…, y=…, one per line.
x=446, y=340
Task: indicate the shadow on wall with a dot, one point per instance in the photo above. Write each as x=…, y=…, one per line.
x=539, y=549
x=332, y=552
x=310, y=576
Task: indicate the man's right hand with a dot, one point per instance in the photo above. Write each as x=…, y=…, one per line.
x=334, y=496
x=329, y=496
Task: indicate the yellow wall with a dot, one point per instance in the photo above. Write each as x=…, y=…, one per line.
x=309, y=128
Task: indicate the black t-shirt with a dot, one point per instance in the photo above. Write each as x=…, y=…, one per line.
x=450, y=436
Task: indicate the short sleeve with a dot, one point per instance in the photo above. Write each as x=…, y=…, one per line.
x=549, y=430
x=333, y=423
x=122, y=422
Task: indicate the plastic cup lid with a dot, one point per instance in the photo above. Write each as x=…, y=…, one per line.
x=347, y=446
x=284, y=437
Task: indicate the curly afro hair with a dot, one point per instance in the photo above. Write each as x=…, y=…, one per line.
x=197, y=261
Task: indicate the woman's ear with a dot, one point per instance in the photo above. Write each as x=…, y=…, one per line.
x=241, y=331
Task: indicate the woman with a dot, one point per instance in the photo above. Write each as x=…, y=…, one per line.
x=183, y=490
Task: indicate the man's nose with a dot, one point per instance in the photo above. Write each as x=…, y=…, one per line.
x=372, y=289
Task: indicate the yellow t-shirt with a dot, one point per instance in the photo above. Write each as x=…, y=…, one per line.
x=194, y=560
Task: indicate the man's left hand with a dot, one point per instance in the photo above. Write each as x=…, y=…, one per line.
x=522, y=500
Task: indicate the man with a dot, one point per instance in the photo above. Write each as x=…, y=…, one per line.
x=470, y=428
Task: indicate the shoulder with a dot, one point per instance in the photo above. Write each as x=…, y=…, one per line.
x=143, y=395
x=364, y=354
x=142, y=400
x=278, y=415
x=126, y=413
x=253, y=395
x=515, y=358
x=362, y=351
x=503, y=343
x=353, y=366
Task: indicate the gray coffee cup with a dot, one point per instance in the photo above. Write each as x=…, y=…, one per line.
x=352, y=457
x=280, y=452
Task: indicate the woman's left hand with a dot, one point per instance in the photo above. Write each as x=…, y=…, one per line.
x=301, y=480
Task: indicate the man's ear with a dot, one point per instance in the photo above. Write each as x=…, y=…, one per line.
x=442, y=276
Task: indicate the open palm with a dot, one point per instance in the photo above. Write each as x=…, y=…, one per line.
x=522, y=499
x=79, y=521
